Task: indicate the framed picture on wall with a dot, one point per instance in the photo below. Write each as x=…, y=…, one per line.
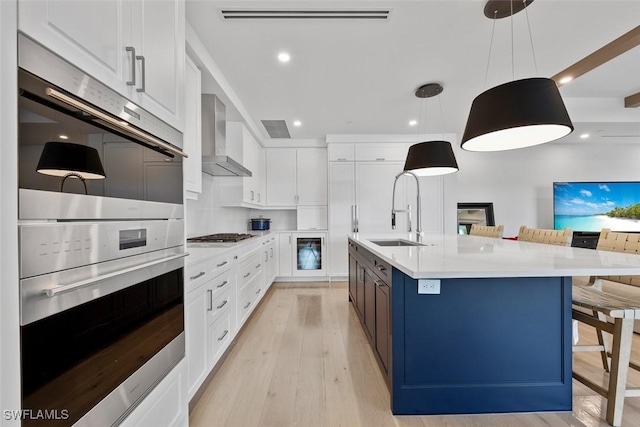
x=474, y=213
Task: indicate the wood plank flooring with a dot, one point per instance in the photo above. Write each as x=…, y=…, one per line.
x=303, y=360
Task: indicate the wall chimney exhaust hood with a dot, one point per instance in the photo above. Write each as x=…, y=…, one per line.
x=215, y=160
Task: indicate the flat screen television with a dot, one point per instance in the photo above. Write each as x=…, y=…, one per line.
x=592, y=206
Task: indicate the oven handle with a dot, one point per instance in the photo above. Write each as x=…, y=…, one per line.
x=113, y=122
x=52, y=292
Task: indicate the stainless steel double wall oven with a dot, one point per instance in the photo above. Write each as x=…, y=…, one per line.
x=101, y=268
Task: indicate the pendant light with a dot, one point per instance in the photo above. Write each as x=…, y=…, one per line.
x=517, y=114
x=430, y=158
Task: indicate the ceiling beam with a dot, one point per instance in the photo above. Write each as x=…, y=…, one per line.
x=632, y=101
x=606, y=53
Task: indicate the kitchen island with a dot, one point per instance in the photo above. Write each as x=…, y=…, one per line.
x=466, y=324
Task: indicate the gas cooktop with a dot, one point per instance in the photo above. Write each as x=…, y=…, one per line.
x=221, y=238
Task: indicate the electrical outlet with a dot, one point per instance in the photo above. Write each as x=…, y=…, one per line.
x=428, y=286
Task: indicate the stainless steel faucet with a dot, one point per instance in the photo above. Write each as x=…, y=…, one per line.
x=419, y=232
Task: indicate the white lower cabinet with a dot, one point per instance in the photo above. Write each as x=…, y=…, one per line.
x=209, y=315
x=166, y=405
x=221, y=293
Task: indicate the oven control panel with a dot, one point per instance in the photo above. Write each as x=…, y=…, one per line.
x=50, y=247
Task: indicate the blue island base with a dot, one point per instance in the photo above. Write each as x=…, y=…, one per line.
x=484, y=345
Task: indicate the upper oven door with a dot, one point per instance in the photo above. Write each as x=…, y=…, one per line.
x=60, y=104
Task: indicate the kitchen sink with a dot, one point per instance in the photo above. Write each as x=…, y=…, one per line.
x=395, y=243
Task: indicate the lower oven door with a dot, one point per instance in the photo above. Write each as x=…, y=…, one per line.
x=94, y=347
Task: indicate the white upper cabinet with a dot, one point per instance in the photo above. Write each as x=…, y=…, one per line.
x=281, y=176
x=296, y=177
x=192, y=129
x=247, y=191
x=311, y=176
x=136, y=47
x=158, y=28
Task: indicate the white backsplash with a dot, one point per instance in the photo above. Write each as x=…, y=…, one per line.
x=206, y=216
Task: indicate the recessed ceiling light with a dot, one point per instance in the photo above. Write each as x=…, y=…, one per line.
x=63, y=137
x=413, y=122
x=565, y=80
x=283, y=57
x=297, y=123
x=584, y=136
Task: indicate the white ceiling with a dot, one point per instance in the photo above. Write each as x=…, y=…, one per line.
x=359, y=76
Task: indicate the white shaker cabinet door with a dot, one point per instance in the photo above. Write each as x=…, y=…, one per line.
x=89, y=34
x=192, y=129
x=158, y=35
x=374, y=187
x=196, y=328
x=341, y=214
x=281, y=176
x=311, y=176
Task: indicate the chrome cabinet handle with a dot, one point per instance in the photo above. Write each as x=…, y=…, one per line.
x=51, y=292
x=142, y=61
x=132, y=49
x=377, y=283
x=222, y=284
x=247, y=275
x=113, y=122
x=252, y=194
x=248, y=304
x=258, y=266
x=210, y=292
x=380, y=159
x=221, y=264
x=381, y=268
x=258, y=291
x=356, y=210
x=221, y=305
x=223, y=335
x=202, y=273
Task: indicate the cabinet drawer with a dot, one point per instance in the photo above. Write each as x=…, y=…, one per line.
x=247, y=301
x=250, y=269
x=382, y=269
x=340, y=152
x=222, y=282
x=220, y=304
x=220, y=335
x=381, y=153
x=199, y=273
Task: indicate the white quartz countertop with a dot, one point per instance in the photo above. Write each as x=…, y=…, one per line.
x=462, y=256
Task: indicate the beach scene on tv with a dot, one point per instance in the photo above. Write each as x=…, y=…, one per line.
x=592, y=206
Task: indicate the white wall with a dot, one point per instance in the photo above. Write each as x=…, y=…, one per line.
x=206, y=216
x=519, y=182
x=9, y=300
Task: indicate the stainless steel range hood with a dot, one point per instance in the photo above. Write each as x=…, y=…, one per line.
x=215, y=160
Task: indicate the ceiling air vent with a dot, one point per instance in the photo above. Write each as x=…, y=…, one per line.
x=276, y=128
x=305, y=14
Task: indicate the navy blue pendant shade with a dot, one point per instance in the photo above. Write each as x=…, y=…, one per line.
x=62, y=158
x=431, y=158
x=516, y=114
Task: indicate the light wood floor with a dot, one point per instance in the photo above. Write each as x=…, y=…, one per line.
x=303, y=360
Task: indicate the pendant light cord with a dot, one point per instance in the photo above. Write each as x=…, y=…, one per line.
x=533, y=51
x=493, y=30
x=513, y=68
x=441, y=116
x=420, y=121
